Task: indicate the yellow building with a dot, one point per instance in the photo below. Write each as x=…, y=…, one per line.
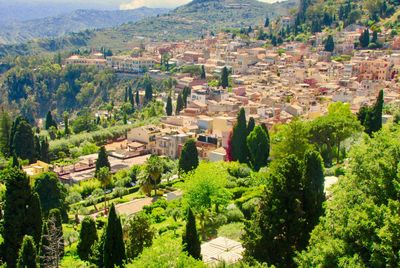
x=37, y=168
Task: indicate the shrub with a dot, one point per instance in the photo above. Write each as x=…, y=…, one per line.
x=158, y=214
x=234, y=215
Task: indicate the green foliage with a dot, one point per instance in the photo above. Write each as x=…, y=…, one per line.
x=360, y=227
x=258, y=145
x=27, y=253
x=34, y=218
x=190, y=239
x=50, y=121
x=165, y=252
x=51, y=192
x=102, y=160
x=17, y=200
x=87, y=237
x=140, y=234
x=5, y=128
x=364, y=39
x=329, y=44
x=224, y=80
x=239, y=135
x=179, y=104
x=371, y=117
x=280, y=215
x=23, y=141
x=114, y=249
x=55, y=219
x=168, y=108
x=189, y=159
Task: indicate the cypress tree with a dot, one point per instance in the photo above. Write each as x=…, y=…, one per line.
x=190, y=239
x=130, y=96
x=87, y=238
x=377, y=113
x=114, y=248
x=12, y=132
x=224, y=82
x=185, y=94
x=148, y=94
x=364, y=39
x=258, y=144
x=67, y=132
x=55, y=215
x=27, y=253
x=50, y=121
x=36, y=140
x=44, y=150
x=329, y=44
x=34, y=218
x=15, y=162
x=168, y=108
x=137, y=98
x=266, y=23
x=17, y=196
x=44, y=246
x=23, y=142
x=251, y=125
x=179, y=104
x=275, y=232
x=203, y=73
x=239, y=136
x=5, y=129
x=189, y=159
x=126, y=98
x=314, y=195
x=102, y=160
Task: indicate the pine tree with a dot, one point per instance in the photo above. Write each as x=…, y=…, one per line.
x=17, y=197
x=140, y=234
x=27, y=253
x=251, y=125
x=239, y=136
x=190, y=239
x=224, y=82
x=314, y=195
x=23, y=142
x=189, y=159
x=5, y=129
x=114, y=249
x=329, y=44
x=50, y=121
x=259, y=147
x=275, y=232
x=203, y=73
x=102, y=160
x=55, y=217
x=179, y=104
x=168, y=108
x=87, y=238
x=34, y=218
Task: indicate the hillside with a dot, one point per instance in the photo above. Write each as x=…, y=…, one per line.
x=185, y=22
x=76, y=21
x=193, y=20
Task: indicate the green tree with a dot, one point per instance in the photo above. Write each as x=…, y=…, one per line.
x=102, y=160
x=258, y=144
x=239, y=136
x=50, y=121
x=104, y=176
x=5, y=129
x=67, y=131
x=34, y=218
x=87, y=238
x=185, y=94
x=224, y=81
x=148, y=96
x=168, y=108
x=329, y=44
x=27, y=253
x=274, y=233
x=314, y=194
x=190, y=239
x=266, y=23
x=140, y=234
x=56, y=219
x=137, y=98
x=251, y=125
x=17, y=199
x=114, y=249
x=189, y=159
x=44, y=246
x=179, y=104
x=203, y=73
x=364, y=39
x=51, y=192
x=23, y=142
x=155, y=168
x=44, y=150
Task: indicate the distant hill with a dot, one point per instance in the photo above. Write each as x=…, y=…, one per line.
x=76, y=21
x=186, y=22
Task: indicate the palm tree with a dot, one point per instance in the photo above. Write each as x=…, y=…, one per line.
x=104, y=176
x=155, y=168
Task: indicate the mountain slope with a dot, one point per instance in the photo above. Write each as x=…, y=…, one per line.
x=75, y=21
x=194, y=19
